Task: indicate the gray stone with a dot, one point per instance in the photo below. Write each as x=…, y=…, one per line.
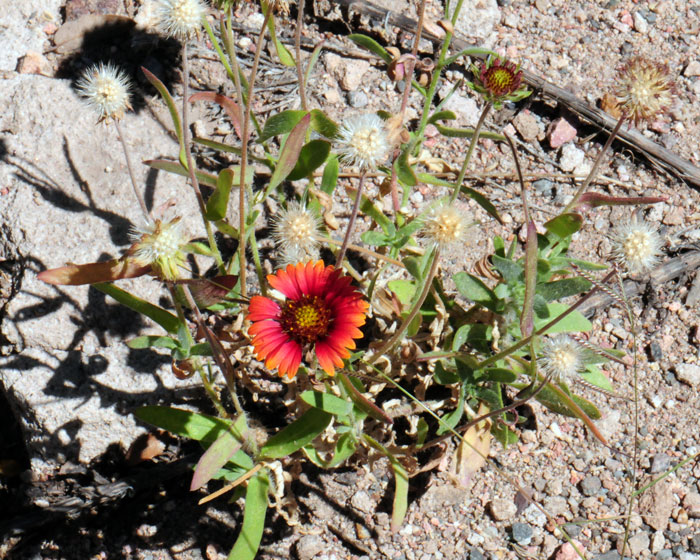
x=71, y=379
x=691, y=504
x=695, y=542
x=544, y=186
x=477, y=18
x=664, y=554
x=522, y=533
x=476, y=554
x=502, y=509
x=690, y=373
x=590, y=486
x=688, y=556
x=640, y=24
x=660, y=463
x=357, y=99
x=556, y=505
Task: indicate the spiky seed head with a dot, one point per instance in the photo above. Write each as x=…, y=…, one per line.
x=636, y=246
x=295, y=232
x=181, y=19
x=363, y=141
x=643, y=89
x=562, y=358
x=160, y=244
x=107, y=90
x=444, y=226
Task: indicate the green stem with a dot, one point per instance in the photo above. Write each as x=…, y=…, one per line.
x=258, y=266
x=190, y=159
x=132, y=175
x=470, y=151
x=297, y=54
x=389, y=344
x=594, y=170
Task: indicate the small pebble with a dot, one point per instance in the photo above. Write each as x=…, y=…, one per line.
x=357, y=99
x=590, y=486
x=660, y=463
x=502, y=509
x=522, y=533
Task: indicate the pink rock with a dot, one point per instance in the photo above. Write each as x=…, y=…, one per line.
x=567, y=552
x=560, y=132
x=626, y=18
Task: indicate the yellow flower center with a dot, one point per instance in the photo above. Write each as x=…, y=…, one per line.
x=499, y=80
x=306, y=319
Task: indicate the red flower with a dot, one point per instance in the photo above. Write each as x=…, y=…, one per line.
x=322, y=309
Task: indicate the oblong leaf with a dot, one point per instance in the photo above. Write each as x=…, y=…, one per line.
x=193, y=425
x=170, y=102
x=552, y=291
x=248, y=542
x=330, y=175
x=296, y=435
x=290, y=153
x=177, y=168
x=164, y=318
x=452, y=132
x=218, y=454
x=311, y=157
x=323, y=124
x=565, y=225
x=141, y=342
x=92, y=273
x=327, y=402
x=227, y=104
x=281, y=123
x=371, y=45
x=475, y=290
x=217, y=204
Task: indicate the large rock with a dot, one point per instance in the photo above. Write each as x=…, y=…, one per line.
x=65, y=197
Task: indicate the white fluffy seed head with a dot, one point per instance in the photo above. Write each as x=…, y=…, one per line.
x=562, y=358
x=636, y=246
x=181, y=19
x=363, y=141
x=294, y=231
x=444, y=226
x=159, y=244
x=107, y=90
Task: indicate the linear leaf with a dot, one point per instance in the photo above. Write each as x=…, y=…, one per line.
x=164, y=318
x=248, y=542
x=297, y=434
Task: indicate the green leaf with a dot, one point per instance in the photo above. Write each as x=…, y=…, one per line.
x=452, y=418
x=479, y=198
x=290, y=153
x=401, y=485
x=477, y=335
x=172, y=108
x=405, y=290
x=573, y=322
x=445, y=376
x=404, y=171
x=344, y=448
x=371, y=45
x=565, y=225
x=498, y=375
x=281, y=123
x=327, y=402
x=595, y=377
x=553, y=401
x=177, y=168
x=164, y=318
x=473, y=289
x=218, y=454
x=470, y=52
x=375, y=238
x=511, y=271
x=218, y=201
x=442, y=116
x=451, y=132
x=526, y=317
x=141, y=342
x=297, y=434
x=330, y=175
x=414, y=268
x=378, y=216
x=311, y=157
x=193, y=425
x=322, y=124
x=552, y=291
x=283, y=54
x=248, y=542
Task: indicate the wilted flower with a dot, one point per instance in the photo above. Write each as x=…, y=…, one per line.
x=363, y=141
x=322, y=310
x=562, y=358
x=644, y=89
x=498, y=81
x=444, y=226
x=636, y=245
x=160, y=245
x=294, y=231
x=181, y=19
x=106, y=89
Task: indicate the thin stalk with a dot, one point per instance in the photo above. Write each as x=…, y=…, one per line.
x=360, y=249
x=594, y=170
x=211, y=392
x=258, y=266
x=470, y=151
x=297, y=54
x=389, y=344
x=351, y=224
x=244, y=150
x=523, y=192
x=132, y=176
x=190, y=159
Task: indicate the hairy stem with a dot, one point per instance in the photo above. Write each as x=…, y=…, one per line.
x=596, y=165
x=190, y=159
x=470, y=151
x=389, y=344
x=351, y=224
x=132, y=176
x=297, y=54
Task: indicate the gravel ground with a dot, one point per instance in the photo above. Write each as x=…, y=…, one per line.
x=346, y=514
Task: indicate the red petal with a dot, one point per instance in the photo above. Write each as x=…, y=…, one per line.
x=261, y=308
x=290, y=365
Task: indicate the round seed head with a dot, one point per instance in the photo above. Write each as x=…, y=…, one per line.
x=160, y=245
x=444, y=226
x=644, y=89
x=363, y=141
x=106, y=89
x=181, y=19
x=296, y=229
x=562, y=358
x=636, y=246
